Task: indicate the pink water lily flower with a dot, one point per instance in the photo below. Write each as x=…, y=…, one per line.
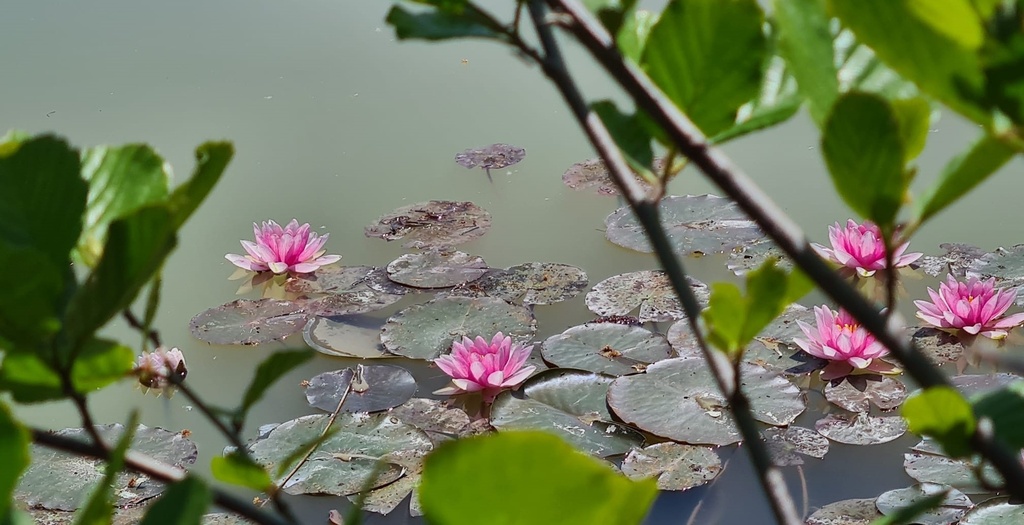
x=860, y=247
x=156, y=369
x=974, y=307
x=488, y=368
x=841, y=340
x=293, y=249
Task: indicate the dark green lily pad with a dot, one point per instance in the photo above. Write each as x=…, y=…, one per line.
x=60, y=481
x=996, y=511
x=649, y=290
x=535, y=283
x=927, y=463
x=949, y=511
x=374, y=388
x=784, y=359
x=593, y=175
x=567, y=403
x=344, y=337
x=940, y=347
x=329, y=279
x=673, y=465
x=378, y=280
x=606, y=348
x=786, y=445
x=344, y=463
x=860, y=428
x=434, y=417
x=224, y=518
x=495, y=156
x=350, y=303
x=432, y=224
x=340, y=290
x=752, y=256
x=678, y=399
x=1006, y=265
x=957, y=259
x=857, y=393
x=846, y=512
x=246, y=322
x=436, y=269
x=682, y=340
x=695, y=224
x=425, y=331
x=383, y=500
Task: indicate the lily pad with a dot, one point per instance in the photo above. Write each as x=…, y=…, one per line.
x=535, y=283
x=247, y=322
x=350, y=303
x=673, y=465
x=784, y=359
x=383, y=500
x=846, y=512
x=435, y=418
x=347, y=461
x=593, y=175
x=857, y=393
x=606, y=348
x=678, y=399
x=374, y=388
x=57, y=480
x=569, y=404
x=949, y=511
x=860, y=428
x=971, y=385
x=495, y=156
x=786, y=445
x=378, y=280
x=695, y=225
x=340, y=290
x=1006, y=265
x=751, y=257
x=940, y=347
x=128, y=516
x=957, y=259
x=341, y=337
x=650, y=290
x=927, y=463
x=432, y=224
x=996, y=511
x=436, y=269
x=425, y=331
x=329, y=279
x=784, y=329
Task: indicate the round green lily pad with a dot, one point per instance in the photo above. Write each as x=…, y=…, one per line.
x=857, y=393
x=436, y=269
x=592, y=175
x=373, y=388
x=650, y=290
x=346, y=336
x=606, y=348
x=673, y=465
x=996, y=511
x=432, y=224
x=1007, y=266
x=952, y=508
x=927, y=463
x=860, y=428
x=246, y=322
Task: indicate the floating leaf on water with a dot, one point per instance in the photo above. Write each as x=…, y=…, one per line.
x=648, y=289
x=751, y=257
x=846, y=512
x=996, y=511
x=860, y=428
x=535, y=282
x=225, y=518
x=385, y=499
x=350, y=303
x=786, y=444
x=695, y=225
x=971, y=385
x=60, y=481
x=340, y=290
x=425, y=331
x=673, y=465
x=949, y=512
x=606, y=348
x=583, y=394
x=1007, y=266
x=246, y=322
x=938, y=346
x=344, y=462
x=856, y=393
x=432, y=224
x=433, y=417
x=344, y=337
x=784, y=329
x=927, y=463
x=593, y=175
x=128, y=516
x=436, y=269
x=375, y=387
x=957, y=259
x=678, y=399
x=783, y=359
x=682, y=340
x=378, y=280
x=495, y=156
x=329, y=279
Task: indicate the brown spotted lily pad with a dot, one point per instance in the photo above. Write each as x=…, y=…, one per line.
x=495, y=156
x=533, y=282
x=436, y=269
x=649, y=290
x=246, y=322
x=432, y=224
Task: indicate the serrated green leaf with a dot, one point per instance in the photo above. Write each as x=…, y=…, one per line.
x=184, y=503
x=269, y=371
x=864, y=151
x=707, y=55
x=805, y=41
x=238, y=469
x=578, y=490
x=99, y=510
x=441, y=25
x=940, y=412
x=914, y=118
x=14, y=455
x=630, y=135
x=963, y=173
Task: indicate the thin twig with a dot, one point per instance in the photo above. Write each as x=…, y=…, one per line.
x=646, y=210
x=770, y=218
x=143, y=464
x=327, y=428
x=134, y=322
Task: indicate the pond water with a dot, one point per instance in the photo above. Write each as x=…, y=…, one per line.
x=335, y=123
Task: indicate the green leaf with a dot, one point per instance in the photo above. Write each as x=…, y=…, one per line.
x=441, y=25
x=99, y=363
x=99, y=509
x=777, y=101
x=1006, y=409
x=942, y=413
x=707, y=55
x=633, y=35
x=910, y=512
x=212, y=159
x=724, y=317
x=805, y=41
x=29, y=304
x=766, y=298
x=14, y=455
x=963, y=173
x=184, y=503
x=238, y=469
x=914, y=117
x=631, y=137
x=551, y=481
x=29, y=378
x=152, y=305
x=611, y=13
x=1004, y=73
x=136, y=248
x=269, y=371
x=864, y=152
x=734, y=319
x=121, y=179
x=15, y=516
x=923, y=44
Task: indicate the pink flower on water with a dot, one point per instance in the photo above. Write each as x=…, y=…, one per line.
x=290, y=249
x=841, y=340
x=974, y=307
x=488, y=368
x=860, y=247
x=157, y=368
